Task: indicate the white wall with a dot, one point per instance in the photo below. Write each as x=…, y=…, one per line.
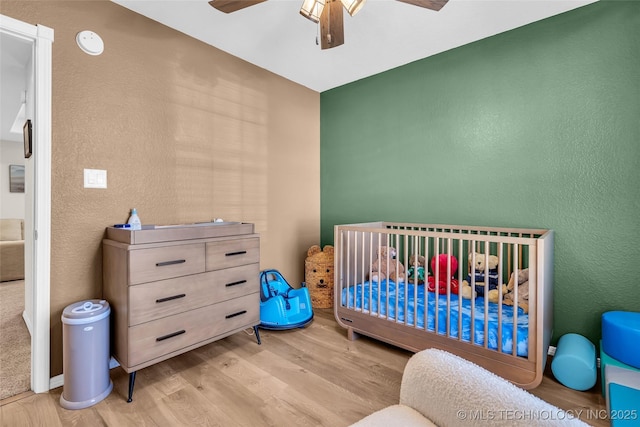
x=12, y=205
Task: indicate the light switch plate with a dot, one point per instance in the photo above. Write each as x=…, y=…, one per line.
x=95, y=178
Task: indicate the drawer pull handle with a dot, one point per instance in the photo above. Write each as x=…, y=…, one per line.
x=171, y=335
x=171, y=298
x=235, y=253
x=175, y=261
x=239, y=282
x=229, y=316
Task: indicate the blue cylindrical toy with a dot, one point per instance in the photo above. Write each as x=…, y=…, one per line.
x=574, y=363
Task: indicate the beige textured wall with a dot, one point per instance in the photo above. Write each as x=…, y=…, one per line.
x=186, y=133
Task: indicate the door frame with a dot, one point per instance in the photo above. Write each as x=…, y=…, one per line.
x=38, y=204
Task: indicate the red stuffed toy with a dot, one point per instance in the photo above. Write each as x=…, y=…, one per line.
x=443, y=260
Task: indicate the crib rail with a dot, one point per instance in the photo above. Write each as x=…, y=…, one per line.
x=386, y=308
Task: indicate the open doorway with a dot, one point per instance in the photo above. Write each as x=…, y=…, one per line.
x=33, y=44
x=16, y=80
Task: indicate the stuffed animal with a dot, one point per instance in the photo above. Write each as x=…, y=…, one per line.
x=523, y=290
x=387, y=259
x=415, y=273
x=441, y=281
x=483, y=273
x=318, y=275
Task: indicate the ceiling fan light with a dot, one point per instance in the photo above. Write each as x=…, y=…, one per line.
x=353, y=6
x=312, y=9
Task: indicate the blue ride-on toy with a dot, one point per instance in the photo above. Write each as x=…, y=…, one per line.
x=281, y=306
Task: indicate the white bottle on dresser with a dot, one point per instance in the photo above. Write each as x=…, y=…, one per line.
x=134, y=220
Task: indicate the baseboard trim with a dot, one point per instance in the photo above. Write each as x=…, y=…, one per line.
x=55, y=382
x=113, y=363
x=27, y=322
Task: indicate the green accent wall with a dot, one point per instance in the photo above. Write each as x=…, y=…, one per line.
x=535, y=127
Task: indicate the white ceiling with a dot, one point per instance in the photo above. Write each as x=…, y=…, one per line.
x=385, y=34
x=273, y=35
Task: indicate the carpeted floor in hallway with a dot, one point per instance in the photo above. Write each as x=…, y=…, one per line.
x=15, y=341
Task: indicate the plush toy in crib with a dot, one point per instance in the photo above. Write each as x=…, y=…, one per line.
x=523, y=290
x=415, y=272
x=483, y=273
x=381, y=269
x=441, y=282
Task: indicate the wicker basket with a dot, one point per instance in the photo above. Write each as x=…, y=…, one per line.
x=318, y=275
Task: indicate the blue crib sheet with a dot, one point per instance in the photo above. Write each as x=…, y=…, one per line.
x=352, y=297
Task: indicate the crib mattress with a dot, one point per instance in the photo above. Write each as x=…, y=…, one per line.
x=413, y=299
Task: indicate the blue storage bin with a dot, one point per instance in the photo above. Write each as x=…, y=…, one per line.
x=621, y=336
x=624, y=406
x=574, y=363
x=606, y=360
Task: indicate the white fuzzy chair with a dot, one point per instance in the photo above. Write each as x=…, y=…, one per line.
x=441, y=389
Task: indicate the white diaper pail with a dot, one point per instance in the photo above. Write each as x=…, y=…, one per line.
x=85, y=339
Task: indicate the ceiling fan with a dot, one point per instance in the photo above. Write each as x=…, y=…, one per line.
x=328, y=13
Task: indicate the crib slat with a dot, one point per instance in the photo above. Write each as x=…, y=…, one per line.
x=460, y=251
x=363, y=268
x=406, y=284
x=472, y=261
x=387, y=281
x=435, y=294
x=486, y=294
x=517, y=254
x=415, y=283
x=348, y=269
x=358, y=253
x=500, y=296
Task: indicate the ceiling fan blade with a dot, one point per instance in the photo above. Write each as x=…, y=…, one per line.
x=428, y=4
x=331, y=25
x=228, y=6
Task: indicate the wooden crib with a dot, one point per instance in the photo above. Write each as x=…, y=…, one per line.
x=503, y=338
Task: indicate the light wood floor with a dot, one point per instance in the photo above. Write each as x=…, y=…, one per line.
x=304, y=377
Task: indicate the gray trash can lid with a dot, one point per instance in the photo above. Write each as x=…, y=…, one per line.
x=85, y=312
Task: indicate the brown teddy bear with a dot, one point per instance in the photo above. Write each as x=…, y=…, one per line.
x=318, y=275
x=523, y=290
x=483, y=273
x=379, y=267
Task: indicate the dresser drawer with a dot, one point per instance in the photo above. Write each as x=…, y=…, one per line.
x=231, y=253
x=154, y=300
x=148, y=265
x=155, y=339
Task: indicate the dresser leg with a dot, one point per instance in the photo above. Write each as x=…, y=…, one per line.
x=257, y=332
x=132, y=381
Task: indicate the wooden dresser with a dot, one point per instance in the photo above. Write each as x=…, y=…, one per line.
x=176, y=288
